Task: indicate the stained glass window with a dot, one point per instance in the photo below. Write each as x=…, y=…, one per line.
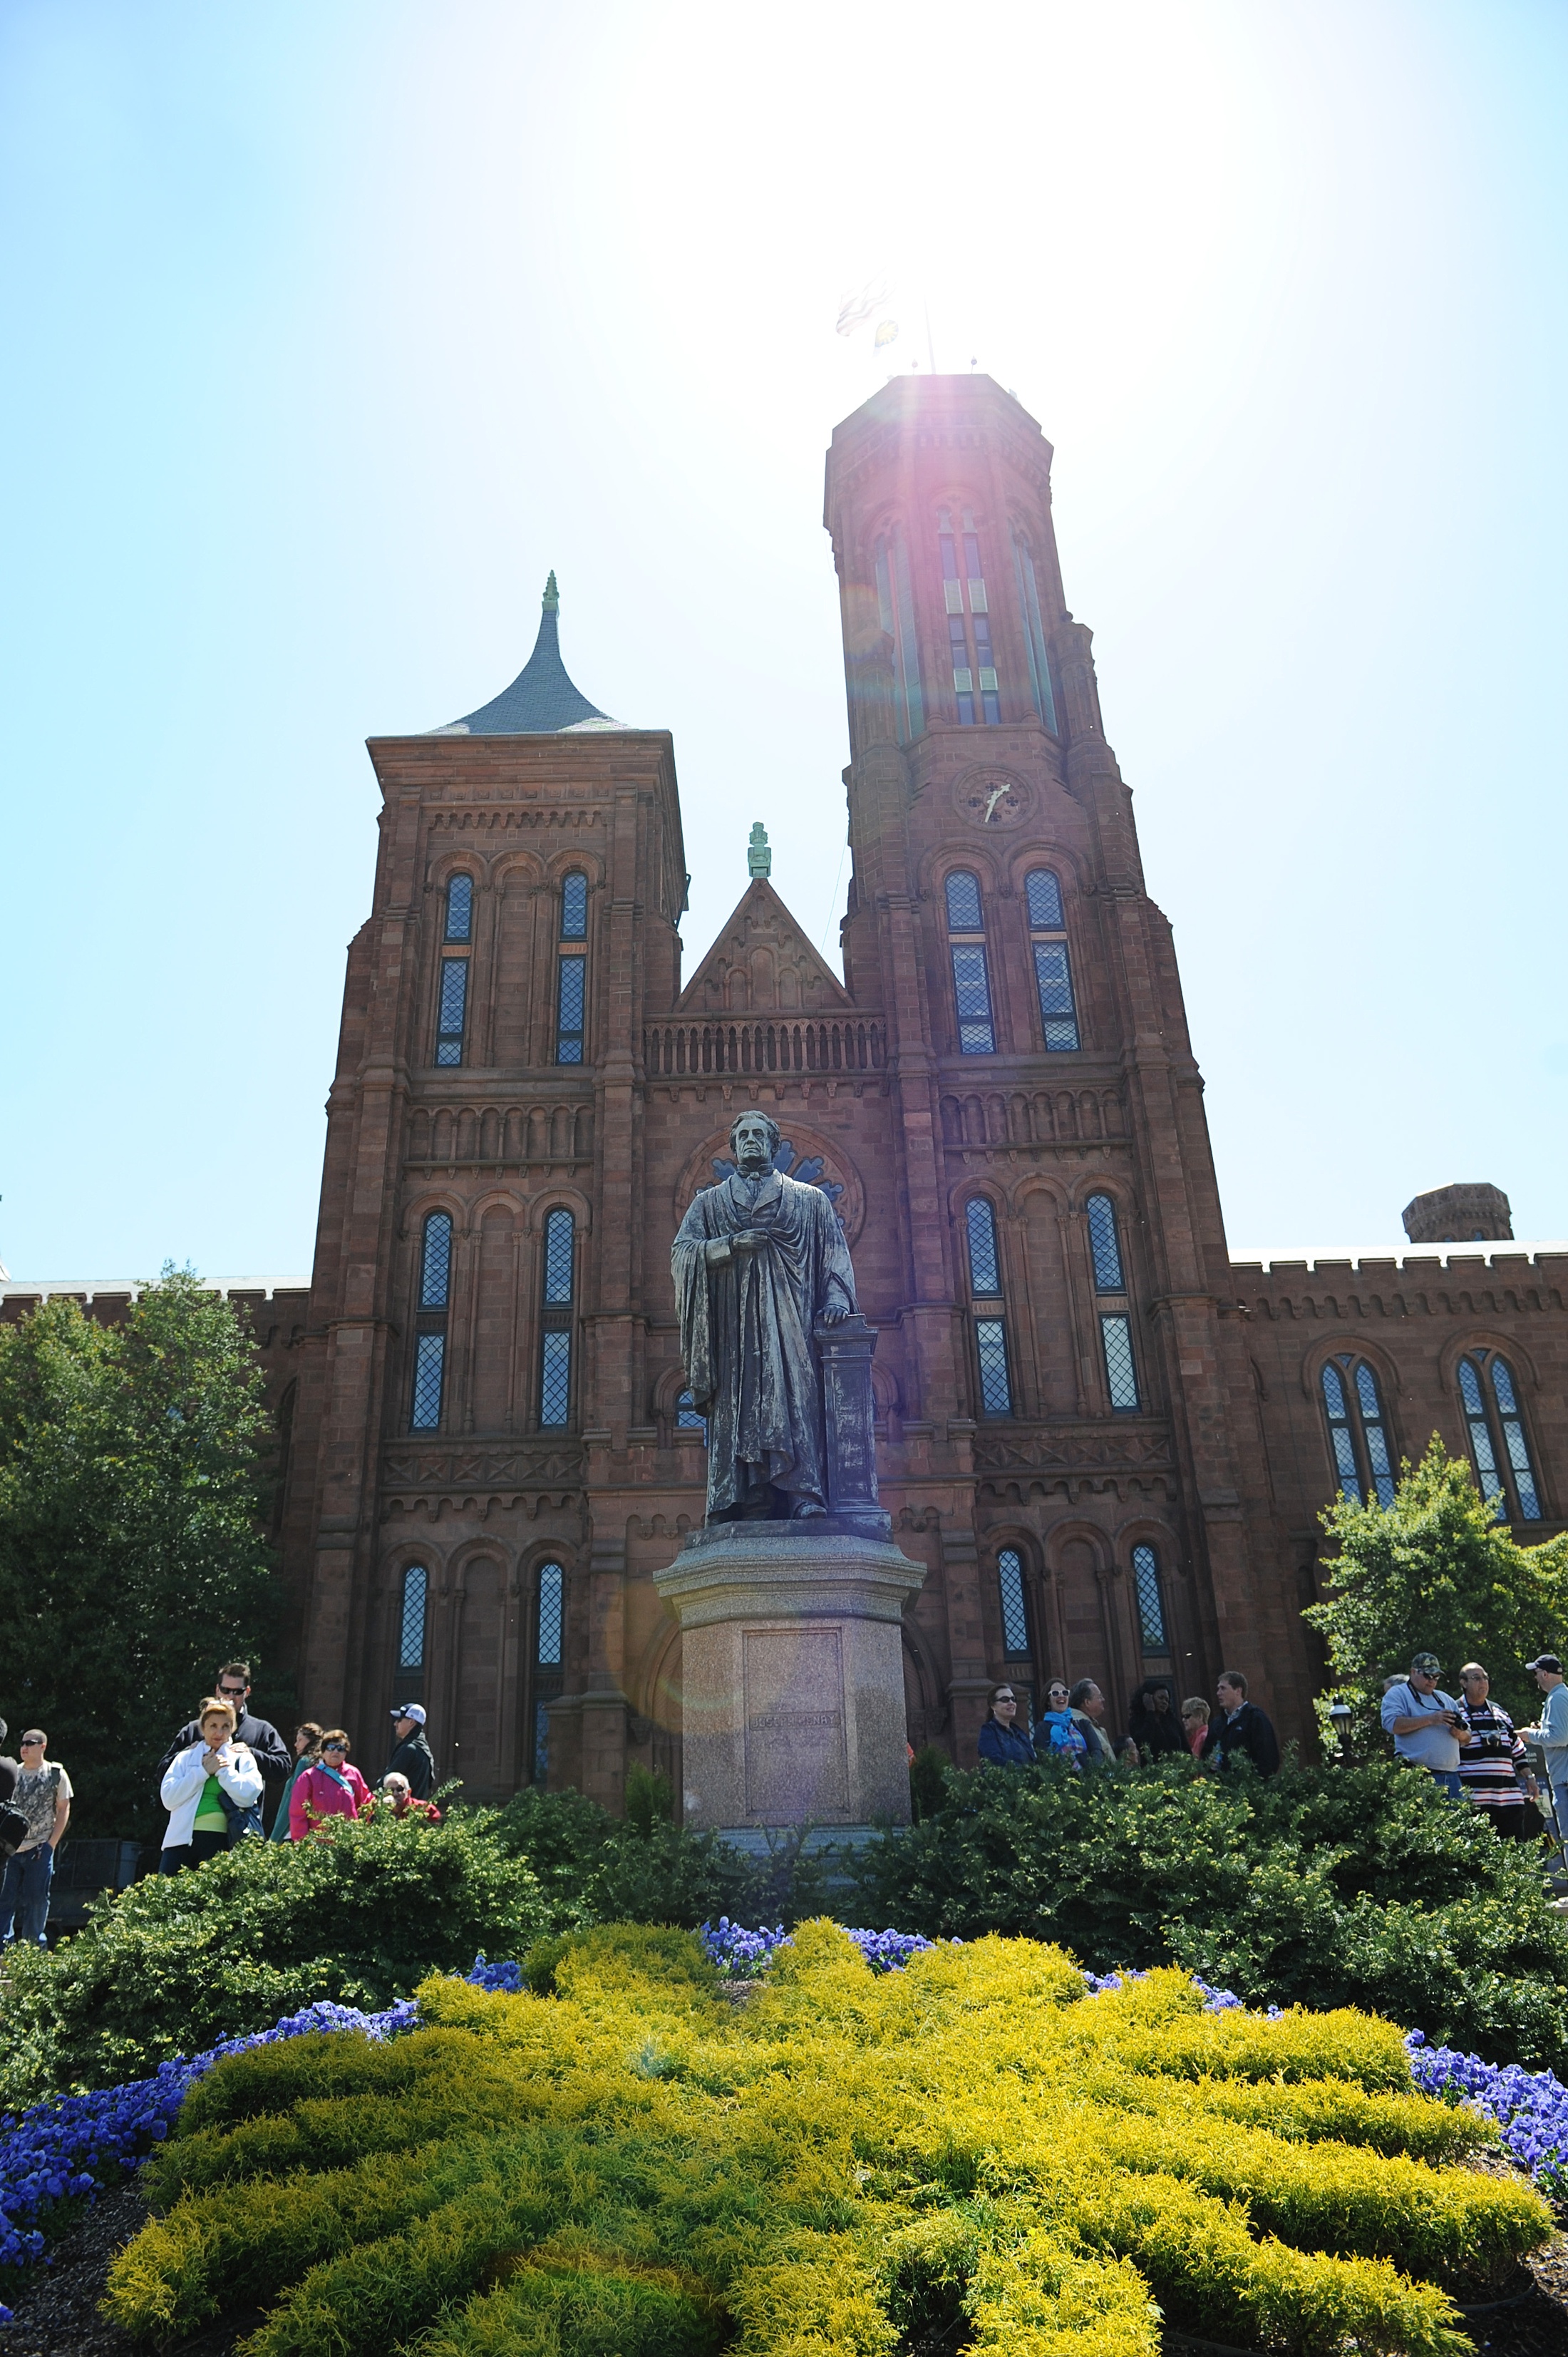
x=435, y=1262
x=460, y=908
x=569, y=1011
x=972, y=990
x=1015, y=1617
x=984, y=1270
x=555, y=1380
x=991, y=1347
x=1044, y=893
x=1116, y=1335
x=453, y=1002
x=411, y=1630
x=429, y=1357
x=1151, y=1602
x=575, y=909
x=560, y=1229
x=1104, y=1245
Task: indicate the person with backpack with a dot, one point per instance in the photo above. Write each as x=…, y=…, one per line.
x=212, y=1791
x=328, y=1787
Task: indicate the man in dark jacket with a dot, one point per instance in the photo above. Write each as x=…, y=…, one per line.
x=273, y=1757
x=1243, y=1731
x=412, y=1756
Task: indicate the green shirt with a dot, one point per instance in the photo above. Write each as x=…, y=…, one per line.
x=209, y=1812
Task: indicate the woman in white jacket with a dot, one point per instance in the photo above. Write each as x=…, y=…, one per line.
x=194, y=1787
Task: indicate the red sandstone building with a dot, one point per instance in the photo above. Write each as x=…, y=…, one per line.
x=1107, y=1442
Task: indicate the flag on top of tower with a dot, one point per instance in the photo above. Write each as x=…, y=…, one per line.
x=543, y=700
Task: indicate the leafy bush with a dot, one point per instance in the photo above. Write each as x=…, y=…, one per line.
x=175, y=1964
x=596, y=1869
x=854, y=2160
x=1329, y=1886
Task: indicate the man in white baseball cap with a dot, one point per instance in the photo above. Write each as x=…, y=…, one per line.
x=412, y=1756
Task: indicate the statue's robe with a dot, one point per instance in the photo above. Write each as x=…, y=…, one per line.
x=745, y=1334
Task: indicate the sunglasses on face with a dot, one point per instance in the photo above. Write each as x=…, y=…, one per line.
x=32, y=1742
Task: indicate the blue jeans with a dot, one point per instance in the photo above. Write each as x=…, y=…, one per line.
x=1447, y=1781
x=25, y=1894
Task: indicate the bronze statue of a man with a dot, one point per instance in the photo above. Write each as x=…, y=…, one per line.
x=760, y=1260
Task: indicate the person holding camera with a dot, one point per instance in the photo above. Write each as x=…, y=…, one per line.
x=1492, y=1758
x=1426, y=1723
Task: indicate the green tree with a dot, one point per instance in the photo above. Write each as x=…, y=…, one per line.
x=134, y=1481
x=1437, y=1571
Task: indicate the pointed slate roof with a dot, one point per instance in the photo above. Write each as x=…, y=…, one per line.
x=763, y=963
x=541, y=700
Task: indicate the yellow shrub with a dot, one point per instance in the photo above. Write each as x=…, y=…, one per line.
x=635, y=2165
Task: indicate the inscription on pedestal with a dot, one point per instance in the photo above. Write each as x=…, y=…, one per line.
x=797, y=1762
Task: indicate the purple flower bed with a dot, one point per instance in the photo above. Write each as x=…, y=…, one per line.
x=1530, y=2107
x=51, y=2153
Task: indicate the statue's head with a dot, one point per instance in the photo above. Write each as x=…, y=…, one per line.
x=753, y=1141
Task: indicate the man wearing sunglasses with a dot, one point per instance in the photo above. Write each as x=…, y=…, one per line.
x=272, y=1754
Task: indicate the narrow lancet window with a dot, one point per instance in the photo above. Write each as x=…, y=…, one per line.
x=970, y=973
x=1105, y=1245
x=1033, y=633
x=408, y=1680
x=896, y=609
x=1358, y=1431
x=555, y=1350
x=1121, y=1374
x=453, y=1008
x=460, y=908
x=574, y=907
x=430, y=1330
x=1497, y=1444
x=548, y=1653
x=1053, y=966
x=1151, y=1600
x=1014, y=1610
x=984, y=1269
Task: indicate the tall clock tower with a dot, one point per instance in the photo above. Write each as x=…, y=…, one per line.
x=1068, y=1325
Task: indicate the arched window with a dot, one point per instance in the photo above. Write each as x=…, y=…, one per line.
x=572, y=971
x=985, y=1268
x=460, y=908
x=408, y=1678
x=452, y=1013
x=895, y=609
x=1014, y=1610
x=687, y=1418
x=1105, y=1245
x=1053, y=966
x=1034, y=632
x=556, y=1359
x=971, y=974
x=430, y=1323
x=1357, y=1430
x=1151, y=1600
x=969, y=637
x=548, y=1653
x=985, y=1295
x=1498, y=1442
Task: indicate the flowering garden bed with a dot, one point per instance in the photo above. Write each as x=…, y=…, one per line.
x=889, y=2135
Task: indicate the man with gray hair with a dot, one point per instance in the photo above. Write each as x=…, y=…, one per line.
x=1426, y=1723
x=758, y=1261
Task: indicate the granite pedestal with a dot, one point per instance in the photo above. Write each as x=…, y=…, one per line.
x=793, y=1673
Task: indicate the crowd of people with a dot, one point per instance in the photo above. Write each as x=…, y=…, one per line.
x=226, y=1773
x=213, y=1778
x=1071, y=1727
x=1472, y=1750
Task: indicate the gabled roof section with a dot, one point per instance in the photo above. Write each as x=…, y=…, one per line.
x=762, y=963
x=541, y=700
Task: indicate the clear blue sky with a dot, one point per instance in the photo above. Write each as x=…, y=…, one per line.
x=331, y=328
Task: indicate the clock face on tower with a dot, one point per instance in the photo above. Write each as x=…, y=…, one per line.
x=991, y=798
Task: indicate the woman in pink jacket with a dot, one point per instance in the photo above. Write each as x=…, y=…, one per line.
x=329, y=1788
